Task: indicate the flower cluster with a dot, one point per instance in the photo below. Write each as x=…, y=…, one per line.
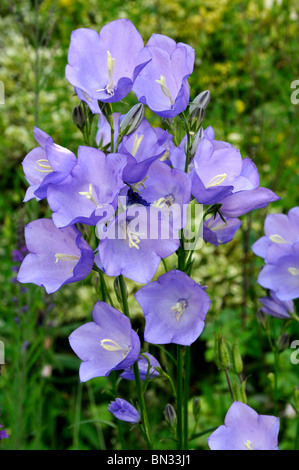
x=134, y=185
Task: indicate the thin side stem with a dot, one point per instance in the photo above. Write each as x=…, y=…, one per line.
x=186, y=394
x=179, y=398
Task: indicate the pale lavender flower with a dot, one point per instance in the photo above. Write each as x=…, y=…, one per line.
x=48, y=164
x=143, y=365
x=245, y=429
x=56, y=256
x=174, y=307
x=217, y=232
x=163, y=83
x=107, y=343
x=105, y=65
x=124, y=411
x=275, y=307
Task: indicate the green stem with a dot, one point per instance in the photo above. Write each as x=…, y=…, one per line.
x=179, y=398
x=140, y=395
x=144, y=416
x=186, y=394
x=119, y=422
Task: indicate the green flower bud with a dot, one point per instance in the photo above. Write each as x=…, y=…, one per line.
x=79, y=117
x=170, y=415
x=237, y=394
x=283, y=342
x=196, y=408
x=224, y=354
x=197, y=138
x=237, y=358
x=197, y=109
x=132, y=120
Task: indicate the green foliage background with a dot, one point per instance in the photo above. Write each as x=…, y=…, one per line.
x=247, y=56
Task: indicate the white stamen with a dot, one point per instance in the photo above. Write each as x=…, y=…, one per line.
x=218, y=179
x=46, y=165
x=277, y=238
x=165, y=89
x=136, y=144
x=88, y=194
x=112, y=346
x=294, y=271
x=248, y=444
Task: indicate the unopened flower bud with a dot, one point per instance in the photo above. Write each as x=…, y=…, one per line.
x=262, y=318
x=283, y=341
x=237, y=358
x=198, y=107
x=224, y=354
x=196, y=408
x=170, y=415
x=196, y=140
x=79, y=117
x=132, y=120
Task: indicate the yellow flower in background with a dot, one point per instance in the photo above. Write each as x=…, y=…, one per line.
x=240, y=106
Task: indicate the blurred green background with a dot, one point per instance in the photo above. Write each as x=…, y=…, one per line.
x=247, y=56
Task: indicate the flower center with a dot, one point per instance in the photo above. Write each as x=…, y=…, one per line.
x=277, y=239
x=179, y=308
x=165, y=89
x=248, y=444
x=216, y=181
x=294, y=271
x=164, y=201
x=109, y=88
x=88, y=194
x=44, y=166
x=112, y=346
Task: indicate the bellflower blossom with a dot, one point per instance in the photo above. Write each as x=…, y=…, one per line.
x=107, y=343
x=245, y=429
x=93, y=184
x=217, y=232
x=134, y=243
x=124, y=411
x=282, y=277
x=163, y=83
x=104, y=66
x=169, y=190
x=47, y=164
x=221, y=176
x=143, y=365
x=57, y=256
x=174, y=307
x=275, y=307
x=281, y=232
x=142, y=148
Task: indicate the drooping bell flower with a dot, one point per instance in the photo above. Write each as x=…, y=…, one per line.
x=174, y=307
x=217, y=231
x=245, y=429
x=107, y=343
x=221, y=176
x=275, y=307
x=142, y=148
x=56, y=256
x=105, y=65
x=163, y=83
x=92, y=186
x=134, y=243
x=143, y=365
x=282, y=276
x=124, y=411
x=47, y=164
x=281, y=232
